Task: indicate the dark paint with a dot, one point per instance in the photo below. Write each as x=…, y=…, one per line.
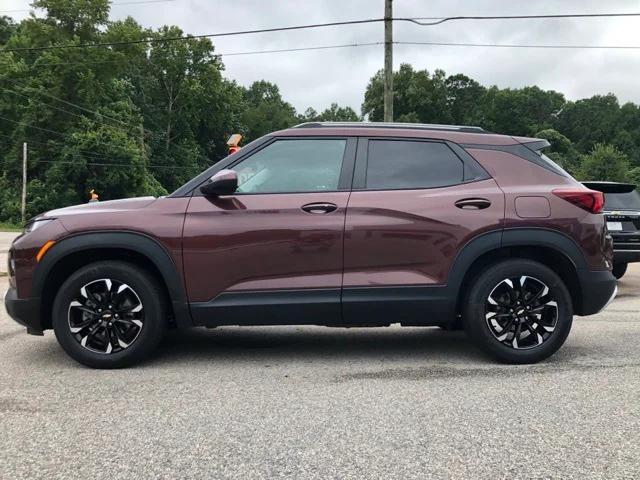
x=255, y=242
x=410, y=237
x=236, y=244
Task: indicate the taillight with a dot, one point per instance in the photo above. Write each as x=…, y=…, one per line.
x=589, y=200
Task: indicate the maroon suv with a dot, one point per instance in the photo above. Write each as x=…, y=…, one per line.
x=338, y=225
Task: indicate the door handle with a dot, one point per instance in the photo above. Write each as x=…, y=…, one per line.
x=473, y=203
x=319, y=207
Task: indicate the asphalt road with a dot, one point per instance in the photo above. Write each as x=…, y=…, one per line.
x=313, y=402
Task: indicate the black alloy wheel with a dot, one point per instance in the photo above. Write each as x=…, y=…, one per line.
x=110, y=314
x=106, y=316
x=520, y=312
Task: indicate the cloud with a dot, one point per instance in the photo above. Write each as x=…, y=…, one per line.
x=317, y=78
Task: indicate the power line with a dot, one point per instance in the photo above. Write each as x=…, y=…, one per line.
x=30, y=125
x=415, y=20
x=367, y=44
x=300, y=49
x=440, y=20
x=230, y=54
x=191, y=37
x=134, y=2
x=77, y=63
x=96, y=155
x=513, y=45
x=80, y=107
x=72, y=104
x=91, y=155
x=65, y=162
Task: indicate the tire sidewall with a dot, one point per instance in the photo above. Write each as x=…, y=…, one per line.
x=154, y=318
x=475, y=320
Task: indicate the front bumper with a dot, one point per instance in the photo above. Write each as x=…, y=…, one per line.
x=598, y=290
x=25, y=311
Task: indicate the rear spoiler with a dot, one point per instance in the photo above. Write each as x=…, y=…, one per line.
x=610, y=187
x=537, y=145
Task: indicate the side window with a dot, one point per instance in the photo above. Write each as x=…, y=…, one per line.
x=289, y=166
x=406, y=164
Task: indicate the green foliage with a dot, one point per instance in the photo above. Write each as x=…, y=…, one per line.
x=562, y=151
x=334, y=113
x=143, y=118
x=10, y=227
x=604, y=162
x=149, y=116
x=265, y=111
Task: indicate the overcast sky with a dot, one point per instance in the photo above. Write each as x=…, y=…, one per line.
x=317, y=78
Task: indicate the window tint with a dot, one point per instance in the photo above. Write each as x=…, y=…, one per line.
x=622, y=201
x=288, y=166
x=396, y=164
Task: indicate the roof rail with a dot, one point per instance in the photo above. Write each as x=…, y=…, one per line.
x=410, y=126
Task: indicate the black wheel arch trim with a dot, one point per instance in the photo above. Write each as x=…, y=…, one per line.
x=585, y=303
x=137, y=242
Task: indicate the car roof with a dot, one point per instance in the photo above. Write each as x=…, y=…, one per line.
x=454, y=133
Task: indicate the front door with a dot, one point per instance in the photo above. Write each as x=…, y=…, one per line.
x=273, y=251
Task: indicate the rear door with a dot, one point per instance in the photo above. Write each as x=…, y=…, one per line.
x=273, y=251
x=414, y=205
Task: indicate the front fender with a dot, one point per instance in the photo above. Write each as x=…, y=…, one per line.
x=139, y=243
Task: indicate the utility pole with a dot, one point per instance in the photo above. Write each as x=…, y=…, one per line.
x=388, y=61
x=24, y=181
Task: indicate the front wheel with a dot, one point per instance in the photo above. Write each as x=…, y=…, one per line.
x=518, y=311
x=109, y=314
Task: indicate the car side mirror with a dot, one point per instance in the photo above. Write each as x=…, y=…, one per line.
x=225, y=182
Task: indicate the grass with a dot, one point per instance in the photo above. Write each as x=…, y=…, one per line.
x=9, y=227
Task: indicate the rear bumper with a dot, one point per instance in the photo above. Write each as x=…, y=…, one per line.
x=25, y=311
x=626, y=255
x=598, y=290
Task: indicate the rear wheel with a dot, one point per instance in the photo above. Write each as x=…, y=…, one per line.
x=518, y=311
x=109, y=315
x=619, y=269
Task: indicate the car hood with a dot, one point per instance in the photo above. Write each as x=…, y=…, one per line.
x=110, y=206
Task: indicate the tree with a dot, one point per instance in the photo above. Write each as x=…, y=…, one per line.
x=465, y=97
x=418, y=95
x=605, y=163
x=520, y=111
x=265, y=110
x=458, y=99
x=562, y=151
x=7, y=28
x=334, y=113
x=589, y=121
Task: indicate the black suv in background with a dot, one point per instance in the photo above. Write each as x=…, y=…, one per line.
x=622, y=210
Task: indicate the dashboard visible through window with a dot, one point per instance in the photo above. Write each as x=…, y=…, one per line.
x=289, y=166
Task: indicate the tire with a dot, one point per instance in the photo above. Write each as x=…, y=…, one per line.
x=547, y=320
x=118, y=336
x=619, y=269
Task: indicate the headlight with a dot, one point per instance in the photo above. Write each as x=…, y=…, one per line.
x=35, y=224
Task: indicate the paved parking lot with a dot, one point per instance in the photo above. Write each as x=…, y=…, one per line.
x=313, y=402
